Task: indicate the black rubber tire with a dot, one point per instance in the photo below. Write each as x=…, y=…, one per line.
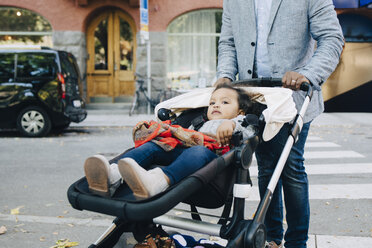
x=33, y=121
x=61, y=128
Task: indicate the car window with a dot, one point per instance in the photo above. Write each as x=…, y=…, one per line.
x=69, y=67
x=6, y=67
x=36, y=65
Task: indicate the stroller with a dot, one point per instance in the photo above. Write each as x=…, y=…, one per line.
x=224, y=182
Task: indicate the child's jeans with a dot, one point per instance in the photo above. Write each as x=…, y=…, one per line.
x=180, y=162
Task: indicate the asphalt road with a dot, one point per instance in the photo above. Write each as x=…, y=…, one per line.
x=36, y=173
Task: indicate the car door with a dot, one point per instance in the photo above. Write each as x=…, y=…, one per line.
x=7, y=88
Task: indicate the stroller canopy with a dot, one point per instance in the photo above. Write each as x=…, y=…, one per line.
x=280, y=105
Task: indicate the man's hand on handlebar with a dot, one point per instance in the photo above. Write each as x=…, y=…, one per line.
x=222, y=81
x=293, y=80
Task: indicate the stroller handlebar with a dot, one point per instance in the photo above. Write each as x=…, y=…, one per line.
x=262, y=82
x=270, y=82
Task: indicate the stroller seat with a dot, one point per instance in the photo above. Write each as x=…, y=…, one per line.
x=210, y=187
x=128, y=208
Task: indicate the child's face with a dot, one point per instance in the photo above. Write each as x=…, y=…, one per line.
x=223, y=105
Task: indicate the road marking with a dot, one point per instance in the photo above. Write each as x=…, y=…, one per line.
x=56, y=220
x=330, y=191
x=320, y=144
x=331, y=154
x=351, y=168
x=328, y=241
x=324, y=169
x=313, y=138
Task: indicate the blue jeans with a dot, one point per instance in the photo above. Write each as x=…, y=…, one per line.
x=180, y=162
x=295, y=185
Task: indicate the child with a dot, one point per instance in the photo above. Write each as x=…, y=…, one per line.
x=227, y=107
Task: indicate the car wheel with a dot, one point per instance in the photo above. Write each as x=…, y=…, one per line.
x=33, y=122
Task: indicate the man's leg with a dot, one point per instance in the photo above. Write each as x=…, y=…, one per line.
x=267, y=154
x=296, y=194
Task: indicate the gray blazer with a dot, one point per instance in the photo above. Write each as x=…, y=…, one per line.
x=295, y=25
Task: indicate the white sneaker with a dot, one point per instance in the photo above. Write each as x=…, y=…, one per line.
x=143, y=183
x=103, y=178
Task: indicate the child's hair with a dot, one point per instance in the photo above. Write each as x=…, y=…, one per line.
x=244, y=100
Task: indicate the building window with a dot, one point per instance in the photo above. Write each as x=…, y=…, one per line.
x=21, y=27
x=192, y=49
x=356, y=28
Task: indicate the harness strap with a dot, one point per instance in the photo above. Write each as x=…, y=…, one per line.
x=226, y=210
x=198, y=122
x=194, y=213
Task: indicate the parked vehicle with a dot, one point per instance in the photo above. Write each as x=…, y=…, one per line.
x=39, y=90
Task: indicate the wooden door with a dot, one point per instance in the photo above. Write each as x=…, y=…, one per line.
x=111, y=44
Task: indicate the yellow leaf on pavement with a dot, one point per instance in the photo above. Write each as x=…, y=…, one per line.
x=65, y=243
x=15, y=211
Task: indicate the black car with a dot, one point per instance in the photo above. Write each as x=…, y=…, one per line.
x=39, y=90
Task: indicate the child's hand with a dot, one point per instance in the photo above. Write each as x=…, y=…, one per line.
x=225, y=131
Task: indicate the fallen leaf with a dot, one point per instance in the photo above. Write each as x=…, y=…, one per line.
x=2, y=230
x=15, y=211
x=65, y=243
x=70, y=225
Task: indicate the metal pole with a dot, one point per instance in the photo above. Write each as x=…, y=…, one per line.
x=149, y=75
x=189, y=224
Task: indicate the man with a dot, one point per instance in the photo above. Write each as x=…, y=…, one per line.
x=276, y=38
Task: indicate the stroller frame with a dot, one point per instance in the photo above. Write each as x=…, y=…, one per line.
x=238, y=231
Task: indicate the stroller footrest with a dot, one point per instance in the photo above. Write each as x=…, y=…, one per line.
x=242, y=190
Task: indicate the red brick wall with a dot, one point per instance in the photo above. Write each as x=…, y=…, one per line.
x=66, y=15
x=162, y=12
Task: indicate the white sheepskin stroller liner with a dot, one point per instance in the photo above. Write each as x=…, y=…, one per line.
x=280, y=105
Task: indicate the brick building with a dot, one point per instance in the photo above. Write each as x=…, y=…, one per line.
x=104, y=37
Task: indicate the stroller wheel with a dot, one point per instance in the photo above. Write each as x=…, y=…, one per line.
x=260, y=237
x=255, y=236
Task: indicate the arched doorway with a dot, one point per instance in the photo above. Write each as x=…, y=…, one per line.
x=111, y=44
